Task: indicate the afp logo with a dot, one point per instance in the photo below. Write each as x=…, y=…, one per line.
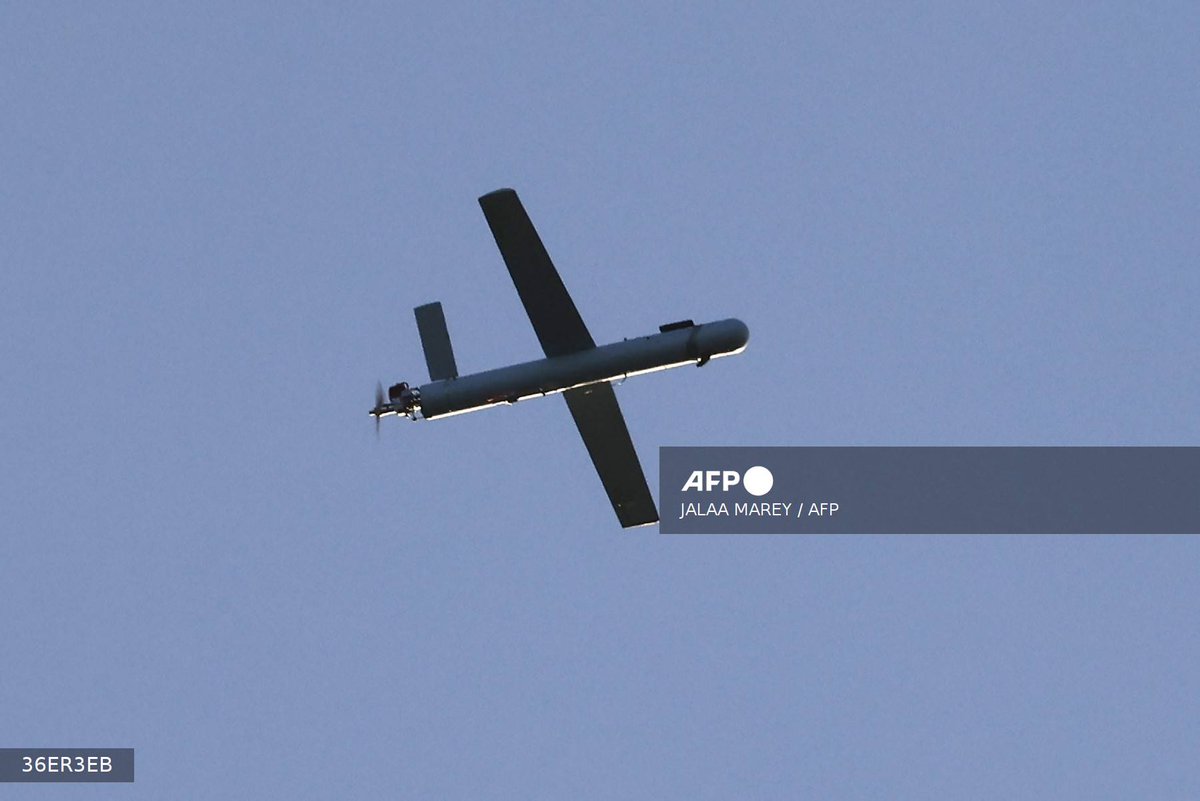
x=757, y=481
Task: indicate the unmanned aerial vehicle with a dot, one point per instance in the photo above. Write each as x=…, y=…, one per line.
x=574, y=365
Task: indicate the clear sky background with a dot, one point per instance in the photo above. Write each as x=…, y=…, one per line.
x=944, y=223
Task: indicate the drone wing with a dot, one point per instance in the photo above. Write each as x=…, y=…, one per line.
x=555, y=319
x=561, y=331
x=599, y=420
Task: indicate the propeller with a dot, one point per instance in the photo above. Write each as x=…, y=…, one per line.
x=378, y=404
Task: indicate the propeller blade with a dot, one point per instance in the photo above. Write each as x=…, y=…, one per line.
x=378, y=404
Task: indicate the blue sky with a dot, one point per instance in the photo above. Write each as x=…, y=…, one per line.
x=944, y=224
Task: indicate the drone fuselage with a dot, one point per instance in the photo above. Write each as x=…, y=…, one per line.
x=674, y=347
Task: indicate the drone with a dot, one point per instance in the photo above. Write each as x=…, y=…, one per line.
x=575, y=367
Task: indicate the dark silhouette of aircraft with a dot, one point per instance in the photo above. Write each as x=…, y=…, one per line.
x=574, y=365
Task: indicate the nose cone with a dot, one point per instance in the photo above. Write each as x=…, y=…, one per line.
x=724, y=337
x=740, y=333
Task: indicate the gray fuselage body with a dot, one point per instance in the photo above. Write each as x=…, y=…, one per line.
x=692, y=345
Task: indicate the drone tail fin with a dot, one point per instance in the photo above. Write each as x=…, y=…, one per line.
x=435, y=340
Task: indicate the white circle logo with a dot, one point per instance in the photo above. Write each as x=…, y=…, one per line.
x=758, y=481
